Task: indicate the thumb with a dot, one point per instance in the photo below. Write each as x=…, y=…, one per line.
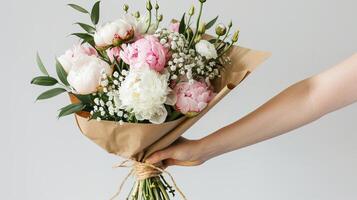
x=159, y=156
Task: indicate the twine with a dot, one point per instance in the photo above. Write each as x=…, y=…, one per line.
x=143, y=171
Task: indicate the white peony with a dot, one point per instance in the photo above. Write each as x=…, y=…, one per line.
x=112, y=32
x=71, y=55
x=86, y=74
x=206, y=49
x=140, y=25
x=144, y=92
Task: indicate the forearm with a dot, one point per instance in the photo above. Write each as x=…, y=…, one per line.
x=288, y=110
x=296, y=106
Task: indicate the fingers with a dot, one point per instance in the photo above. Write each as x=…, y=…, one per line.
x=159, y=156
x=170, y=162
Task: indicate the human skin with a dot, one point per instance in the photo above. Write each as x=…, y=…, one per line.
x=298, y=105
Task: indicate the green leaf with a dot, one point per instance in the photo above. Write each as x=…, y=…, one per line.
x=182, y=27
x=95, y=13
x=44, y=81
x=85, y=37
x=61, y=73
x=70, y=109
x=40, y=65
x=86, y=27
x=78, y=8
x=211, y=23
x=85, y=99
x=51, y=93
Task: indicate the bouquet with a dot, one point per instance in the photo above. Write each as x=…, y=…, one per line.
x=136, y=86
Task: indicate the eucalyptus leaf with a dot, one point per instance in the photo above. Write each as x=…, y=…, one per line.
x=51, y=93
x=44, y=81
x=61, y=73
x=70, y=109
x=211, y=23
x=182, y=26
x=86, y=27
x=40, y=65
x=78, y=8
x=95, y=13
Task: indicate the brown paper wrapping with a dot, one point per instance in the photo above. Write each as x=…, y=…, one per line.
x=138, y=141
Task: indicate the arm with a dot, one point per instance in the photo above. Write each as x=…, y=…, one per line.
x=296, y=106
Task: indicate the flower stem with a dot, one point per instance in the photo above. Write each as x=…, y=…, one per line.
x=149, y=24
x=197, y=24
x=225, y=37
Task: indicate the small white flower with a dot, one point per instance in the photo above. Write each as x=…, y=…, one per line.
x=174, y=77
x=206, y=49
x=116, y=74
x=163, y=41
x=120, y=113
x=173, y=68
x=121, y=122
x=116, y=82
x=99, y=119
x=102, y=113
x=96, y=101
x=101, y=102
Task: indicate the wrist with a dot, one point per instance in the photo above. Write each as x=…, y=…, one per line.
x=205, y=150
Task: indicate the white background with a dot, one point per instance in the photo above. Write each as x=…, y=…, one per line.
x=44, y=158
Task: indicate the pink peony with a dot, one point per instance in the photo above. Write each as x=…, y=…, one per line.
x=192, y=97
x=114, y=53
x=146, y=50
x=174, y=27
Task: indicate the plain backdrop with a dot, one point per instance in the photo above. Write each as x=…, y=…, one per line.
x=44, y=158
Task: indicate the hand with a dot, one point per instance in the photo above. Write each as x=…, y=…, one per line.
x=183, y=152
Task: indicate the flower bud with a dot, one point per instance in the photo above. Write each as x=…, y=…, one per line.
x=221, y=30
x=202, y=28
x=189, y=31
x=191, y=12
x=137, y=14
x=148, y=5
x=160, y=18
x=230, y=24
x=202, y=1
x=235, y=36
x=126, y=8
x=157, y=6
x=198, y=38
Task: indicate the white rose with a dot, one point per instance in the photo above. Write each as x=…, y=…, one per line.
x=86, y=73
x=119, y=30
x=144, y=92
x=206, y=49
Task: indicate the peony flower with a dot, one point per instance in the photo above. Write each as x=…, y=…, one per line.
x=114, y=53
x=206, y=49
x=174, y=27
x=144, y=92
x=192, y=97
x=139, y=25
x=114, y=33
x=86, y=74
x=146, y=50
x=73, y=54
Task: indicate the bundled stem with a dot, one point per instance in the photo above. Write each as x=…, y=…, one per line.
x=154, y=188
